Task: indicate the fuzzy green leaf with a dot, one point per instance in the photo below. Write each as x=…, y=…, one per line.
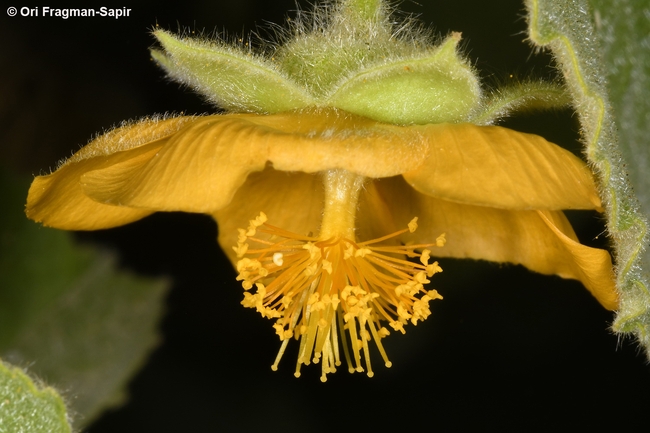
x=567, y=28
x=28, y=408
x=623, y=29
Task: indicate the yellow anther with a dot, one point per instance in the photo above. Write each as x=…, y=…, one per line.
x=335, y=302
x=241, y=238
x=313, y=298
x=348, y=252
x=243, y=264
x=413, y=225
x=421, y=277
x=364, y=315
x=314, y=251
x=261, y=219
x=279, y=329
x=284, y=334
x=398, y=326
x=402, y=312
x=269, y=313
x=240, y=249
x=351, y=301
x=243, y=276
x=254, y=224
x=261, y=289
x=441, y=240
x=362, y=252
x=249, y=300
x=286, y=301
x=433, y=268
x=424, y=258
x=421, y=309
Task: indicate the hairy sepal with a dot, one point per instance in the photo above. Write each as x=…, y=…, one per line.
x=436, y=87
x=234, y=80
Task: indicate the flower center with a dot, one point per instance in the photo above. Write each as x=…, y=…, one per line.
x=321, y=288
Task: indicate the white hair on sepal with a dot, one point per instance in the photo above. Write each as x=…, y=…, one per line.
x=348, y=45
x=327, y=57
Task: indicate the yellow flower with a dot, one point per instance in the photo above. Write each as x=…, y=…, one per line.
x=496, y=193
x=334, y=200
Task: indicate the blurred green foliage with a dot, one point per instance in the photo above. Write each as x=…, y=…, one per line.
x=80, y=324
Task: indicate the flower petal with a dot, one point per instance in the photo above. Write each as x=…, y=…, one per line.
x=290, y=200
x=201, y=167
x=543, y=242
x=501, y=168
x=57, y=200
x=593, y=266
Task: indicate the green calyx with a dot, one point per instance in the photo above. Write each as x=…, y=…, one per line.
x=344, y=55
x=232, y=79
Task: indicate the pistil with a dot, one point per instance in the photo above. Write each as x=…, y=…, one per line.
x=342, y=189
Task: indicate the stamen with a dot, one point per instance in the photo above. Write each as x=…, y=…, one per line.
x=320, y=289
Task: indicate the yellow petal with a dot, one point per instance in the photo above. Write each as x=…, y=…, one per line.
x=498, y=167
x=198, y=170
x=543, y=242
x=292, y=201
x=57, y=200
x=592, y=266
x=201, y=167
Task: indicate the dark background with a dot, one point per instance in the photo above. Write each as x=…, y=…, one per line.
x=505, y=349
